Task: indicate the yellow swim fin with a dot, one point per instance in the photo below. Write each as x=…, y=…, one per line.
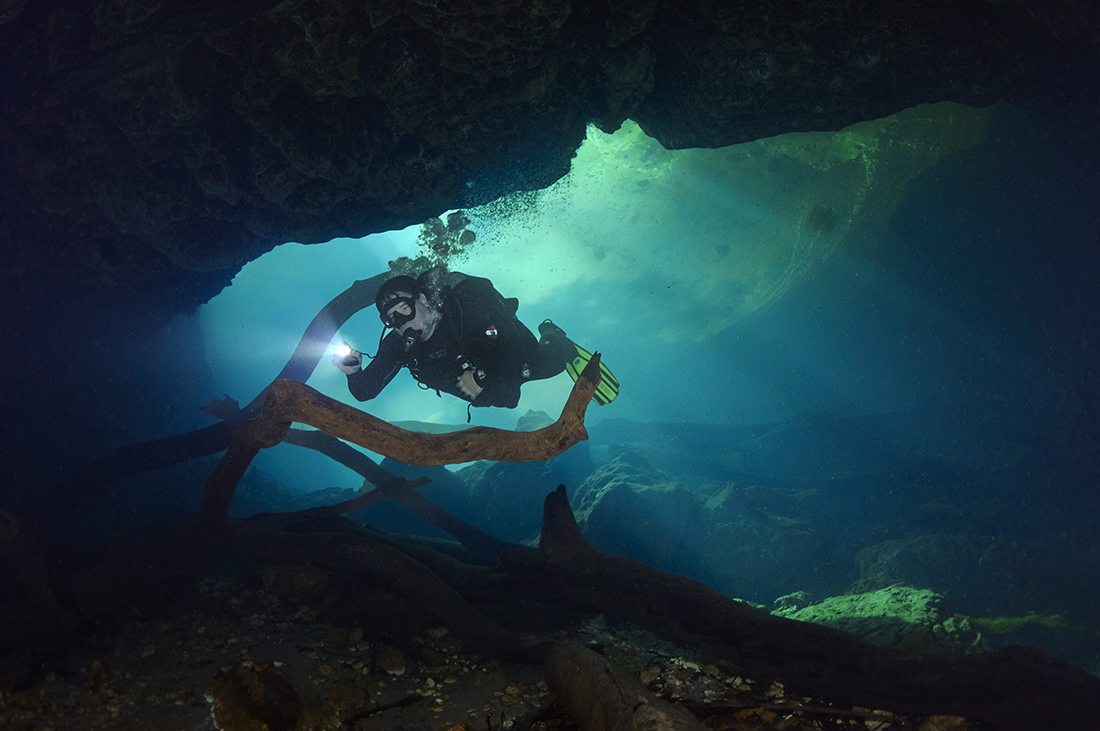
x=608, y=387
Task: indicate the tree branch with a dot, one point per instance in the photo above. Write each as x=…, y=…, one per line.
x=290, y=401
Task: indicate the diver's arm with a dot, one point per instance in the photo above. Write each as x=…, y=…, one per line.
x=501, y=392
x=366, y=383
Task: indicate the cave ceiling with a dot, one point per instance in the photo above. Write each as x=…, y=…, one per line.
x=161, y=145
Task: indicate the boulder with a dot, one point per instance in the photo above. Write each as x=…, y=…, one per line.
x=1003, y=579
x=898, y=617
x=629, y=508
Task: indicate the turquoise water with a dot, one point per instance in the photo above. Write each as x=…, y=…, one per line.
x=695, y=274
x=831, y=347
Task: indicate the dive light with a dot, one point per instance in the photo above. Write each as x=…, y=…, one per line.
x=343, y=352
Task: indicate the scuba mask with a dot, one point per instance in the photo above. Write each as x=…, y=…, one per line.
x=396, y=320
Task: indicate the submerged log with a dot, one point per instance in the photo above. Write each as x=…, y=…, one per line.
x=601, y=696
x=392, y=490
x=101, y=589
x=481, y=548
x=1015, y=689
x=341, y=453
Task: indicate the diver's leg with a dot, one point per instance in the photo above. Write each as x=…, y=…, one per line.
x=555, y=350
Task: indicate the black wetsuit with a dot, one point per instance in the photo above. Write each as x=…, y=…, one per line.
x=479, y=331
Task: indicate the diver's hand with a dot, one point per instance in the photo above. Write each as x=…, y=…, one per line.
x=350, y=363
x=467, y=383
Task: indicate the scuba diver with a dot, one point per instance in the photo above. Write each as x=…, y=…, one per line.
x=456, y=333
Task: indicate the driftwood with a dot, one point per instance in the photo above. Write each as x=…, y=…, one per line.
x=290, y=401
x=1016, y=689
x=133, y=459
x=481, y=548
x=601, y=696
x=101, y=589
x=392, y=490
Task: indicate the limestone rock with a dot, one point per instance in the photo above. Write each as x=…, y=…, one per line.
x=155, y=141
x=788, y=604
x=253, y=697
x=628, y=508
x=898, y=617
x=532, y=420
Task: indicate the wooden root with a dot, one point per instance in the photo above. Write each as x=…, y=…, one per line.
x=600, y=696
x=290, y=401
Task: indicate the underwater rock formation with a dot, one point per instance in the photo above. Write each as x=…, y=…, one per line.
x=154, y=141
x=899, y=617
x=753, y=542
x=628, y=508
x=254, y=696
x=990, y=575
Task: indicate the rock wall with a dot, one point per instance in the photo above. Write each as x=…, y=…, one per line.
x=155, y=142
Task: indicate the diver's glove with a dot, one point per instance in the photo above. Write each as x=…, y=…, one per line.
x=349, y=362
x=470, y=383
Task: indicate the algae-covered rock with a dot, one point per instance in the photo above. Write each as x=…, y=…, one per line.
x=898, y=617
x=788, y=604
x=1008, y=625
